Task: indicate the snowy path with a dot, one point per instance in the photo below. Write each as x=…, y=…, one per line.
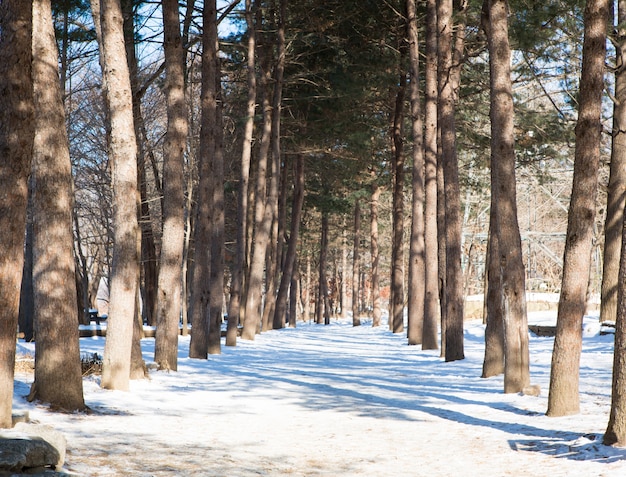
x=338, y=401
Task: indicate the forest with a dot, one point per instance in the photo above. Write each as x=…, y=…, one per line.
x=228, y=168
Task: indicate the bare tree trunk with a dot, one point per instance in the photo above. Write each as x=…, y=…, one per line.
x=262, y=213
x=431, y=280
x=16, y=142
x=293, y=296
x=286, y=281
x=493, y=363
x=322, y=310
x=172, y=243
x=123, y=157
x=58, y=376
x=417, y=272
x=234, y=315
x=27, y=303
x=216, y=294
x=376, y=308
x=616, y=200
x=356, y=265
x=509, y=245
x=397, y=264
x=564, y=377
x=446, y=112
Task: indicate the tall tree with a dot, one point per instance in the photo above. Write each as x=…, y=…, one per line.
x=453, y=329
x=616, y=199
x=289, y=266
x=512, y=290
x=16, y=143
x=356, y=267
x=431, y=279
x=416, y=290
x=563, y=398
x=397, y=261
x=174, y=146
x=205, y=277
x=58, y=375
x=375, y=254
x=239, y=267
x=262, y=210
x=123, y=158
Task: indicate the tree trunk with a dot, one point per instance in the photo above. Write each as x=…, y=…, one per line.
x=172, y=243
x=616, y=429
x=564, y=377
x=123, y=158
x=322, y=310
x=417, y=272
x=27, y=304
x=293, y=296
x=286, y=280
x=216, y=294
x=204, y=280
x=376, y=309
x=244, y=178
x=397, y=263
x=446, y=112
x=506, y=227
x=493, y=363
x=148, y=260
x=431, y=280
x=58, y=376
x=16, y=136
x=262, y=214
x=616, y=199
x=356, y=265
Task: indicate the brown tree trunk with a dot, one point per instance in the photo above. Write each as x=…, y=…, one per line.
x=397, y=263
x=58, y=375
x=239, y=268
x=216, y=294
x=374, y=253
x=123, y=158
x=446, y=112
x=356, y=265
x=506, y=227
x=493, y=363
x=16, y=137
x=172, y=243
x=616, y=200
x=322, y=309
x=417, y=272
x=563, y=398
x=286, y=281
x=262, y=214
x=431, y=280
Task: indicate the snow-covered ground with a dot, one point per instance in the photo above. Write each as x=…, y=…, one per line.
x=338, y=401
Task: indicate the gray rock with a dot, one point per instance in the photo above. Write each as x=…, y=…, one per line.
x=31, y=446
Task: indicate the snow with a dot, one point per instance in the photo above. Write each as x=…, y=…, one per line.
x=338, y=400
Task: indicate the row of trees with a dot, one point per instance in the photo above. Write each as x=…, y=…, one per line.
x=189, y=174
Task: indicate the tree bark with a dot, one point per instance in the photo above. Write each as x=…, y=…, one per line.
x=563, y=398
x=58, y=375
x=397, y=262
x=431, y=280
x=239, y=268
x=356, y=265
x=172, y=243
x=374, y=253
x=322, y=310
x=262, y=214
x=16, y=142
x=509, y=244
x=286, y=280
x=123, y=158
x=417, y=272
x=446, y=117
x=616, y=194
x=493, y=363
